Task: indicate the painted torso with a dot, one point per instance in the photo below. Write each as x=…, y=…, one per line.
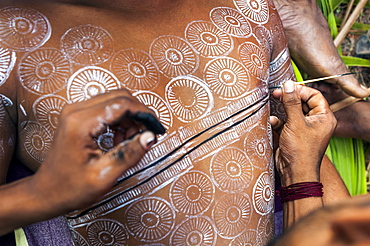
x=205, y=70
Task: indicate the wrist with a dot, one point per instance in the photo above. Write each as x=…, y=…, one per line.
x=294, y=173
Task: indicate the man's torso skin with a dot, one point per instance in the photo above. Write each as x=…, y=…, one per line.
x=204, y=67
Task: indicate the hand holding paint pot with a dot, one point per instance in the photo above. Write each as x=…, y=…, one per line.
x=78, y=170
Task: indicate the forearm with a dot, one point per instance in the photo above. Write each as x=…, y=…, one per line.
x=21, y=204
x=334, y=187
x=294, y=210
x=305, y=28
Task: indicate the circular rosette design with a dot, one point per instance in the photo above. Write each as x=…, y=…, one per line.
x=256, y=11
x=189, y=98
x=174, y=56
x=135, y=69
x=104, y=232
x=47, y=110
x=150, y=219
x=78, y=240
x=227, y=78
x=23, y=29
x=37, y=141
x=105, y=141
x=90, y=81
x=44, y=71
x=192, y=193
x=264, y=38
x=158, y=105
x=248, y=238
x=7, y=60
x=278, y=31
x=265, y=230
x=263, y=194
x=258, y=146
x=254, y=59
x=207, y=39
x=231, y=21
x=87, y=45
x=231, y=215
x=231, y=170
x=195, y=231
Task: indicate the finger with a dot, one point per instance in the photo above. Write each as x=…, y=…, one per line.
x=315, y=101
x=277, y=93
x=125, y=155
x=276, y=124
x=116, y=111
x=291, y=100
x=352, y=87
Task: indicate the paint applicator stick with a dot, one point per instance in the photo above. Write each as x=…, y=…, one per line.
x=314, y=80
x=346, y=102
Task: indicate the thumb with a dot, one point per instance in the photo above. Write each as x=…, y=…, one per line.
x=352, y=87
x=291, y=100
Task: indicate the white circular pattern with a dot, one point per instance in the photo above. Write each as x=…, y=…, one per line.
x=254, y=59
x=195, y=231
x=135, y=69
x=256, y=11
x=87, y=45
x=158, y=105
x=248, y=238
x=106, y=232
x=189, y=98
x=265, y=229
x=7, y=61
x=44, y=71
x=278, y=32
x=23, y=29
x=231, y=215
x=37, y=140
x=263, y=194
x=47, y=110
x=231, y=170
x=174, y=56
x=231, y=21
x=207, y=39
x=90, y=81
x=78, y=240
x=192, y=193
x=264, y=38
x=150, y=219
x=227, y=78
x=258, y=146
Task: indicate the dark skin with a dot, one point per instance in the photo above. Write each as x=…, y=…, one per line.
x=312, y=49
x=302, y=143
x=91, y=162
x=346, y=223
x=93, y=170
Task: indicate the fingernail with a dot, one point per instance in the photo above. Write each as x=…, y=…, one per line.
x=289, y=86
x=147, y=139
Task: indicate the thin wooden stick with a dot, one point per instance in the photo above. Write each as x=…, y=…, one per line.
x=352, y=18
x=348, y=10
x=346, y=102
x=314, y=80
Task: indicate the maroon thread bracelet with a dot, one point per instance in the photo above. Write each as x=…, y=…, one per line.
x=300, y=190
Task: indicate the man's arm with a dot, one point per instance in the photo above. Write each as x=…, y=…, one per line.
x=303, y=140
x=59, y=187
x=311, y=45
